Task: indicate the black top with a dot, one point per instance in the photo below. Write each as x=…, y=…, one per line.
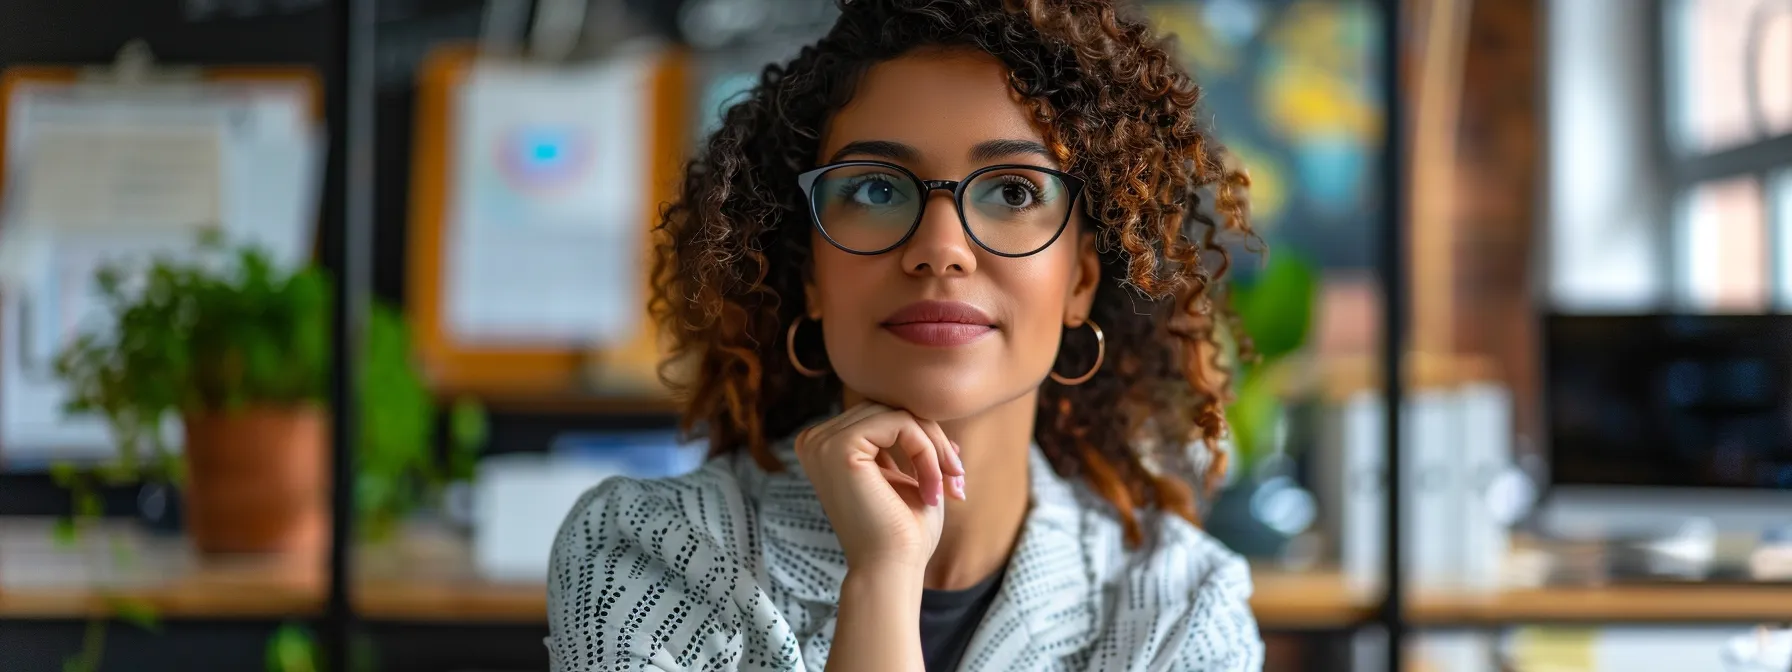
x=950, y=617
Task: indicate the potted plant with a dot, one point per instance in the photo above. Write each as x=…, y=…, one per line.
x=238, y=350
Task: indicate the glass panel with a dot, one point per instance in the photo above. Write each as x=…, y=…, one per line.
x=1781, y=204
x=1709, y=58
x=1773, y=70
x=1724, y=248
x=1293, y=89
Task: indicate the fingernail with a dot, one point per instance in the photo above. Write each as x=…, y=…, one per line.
x=937, y=495
x=957, y=462
x=958, y=482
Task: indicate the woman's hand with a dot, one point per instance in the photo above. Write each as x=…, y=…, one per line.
x=882, y=476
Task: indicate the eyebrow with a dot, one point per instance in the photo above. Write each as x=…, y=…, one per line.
x=988, y=150
x=883, y=149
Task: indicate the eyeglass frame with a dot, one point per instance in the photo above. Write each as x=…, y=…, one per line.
x=1072, y=183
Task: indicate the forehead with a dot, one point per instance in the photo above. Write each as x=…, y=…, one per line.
x=941, y=102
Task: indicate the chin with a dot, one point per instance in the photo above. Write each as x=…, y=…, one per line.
x=939, y=408
x=941, y=396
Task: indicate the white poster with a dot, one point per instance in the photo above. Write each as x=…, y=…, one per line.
x=100, y=173
x=547, y=204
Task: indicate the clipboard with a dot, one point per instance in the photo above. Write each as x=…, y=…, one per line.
x=135, y=72
x=136, y=68
x=625, y=370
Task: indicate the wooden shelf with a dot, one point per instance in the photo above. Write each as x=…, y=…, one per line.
x=428, y=575
x=1691, y=603
x=1312, y=600
x=114, y=561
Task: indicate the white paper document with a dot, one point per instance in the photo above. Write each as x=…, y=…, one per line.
x=97, y=174
x=548, y=205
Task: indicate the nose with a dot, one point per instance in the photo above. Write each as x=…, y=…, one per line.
x=939, y=246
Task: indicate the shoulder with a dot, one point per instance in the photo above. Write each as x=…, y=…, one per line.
x=1183, y=599
x=648, y=572
x=709, y=498
x=688, y=522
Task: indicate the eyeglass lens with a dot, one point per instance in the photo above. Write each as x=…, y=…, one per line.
x=869, y=208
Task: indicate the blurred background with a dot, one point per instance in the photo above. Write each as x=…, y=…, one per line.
x=1595, y=411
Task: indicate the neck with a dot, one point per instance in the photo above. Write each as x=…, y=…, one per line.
x=981, y=532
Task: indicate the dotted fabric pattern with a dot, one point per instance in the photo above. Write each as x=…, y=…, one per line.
x=732, y=568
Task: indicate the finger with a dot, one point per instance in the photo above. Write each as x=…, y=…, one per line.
x=923, y=456
x=885, y=460
x=821, y=431
x=898, y=478
x=951, y=469
x=899, y=432
x=958, y=454
x=862, y=410
x=949, y=464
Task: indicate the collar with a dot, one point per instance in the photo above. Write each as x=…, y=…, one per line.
x=1049, y=585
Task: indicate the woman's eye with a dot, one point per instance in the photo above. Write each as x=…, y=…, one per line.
x=1016, y=196
x=1013, y=192
x=873, y=192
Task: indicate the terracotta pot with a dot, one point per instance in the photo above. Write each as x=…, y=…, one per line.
x=258, y=480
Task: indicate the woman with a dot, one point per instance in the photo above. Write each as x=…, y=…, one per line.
x=952, y=249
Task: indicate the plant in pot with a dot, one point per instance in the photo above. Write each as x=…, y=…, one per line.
x=1274, y=307
x=238, y=350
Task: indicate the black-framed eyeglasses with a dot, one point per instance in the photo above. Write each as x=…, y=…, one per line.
x=872, y=207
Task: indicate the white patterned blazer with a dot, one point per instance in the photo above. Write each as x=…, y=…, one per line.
x=733, y=568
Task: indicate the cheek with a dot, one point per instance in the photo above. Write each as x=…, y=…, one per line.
x=1037, y=288
x=839, y=277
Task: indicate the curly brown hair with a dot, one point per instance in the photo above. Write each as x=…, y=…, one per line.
x=733, y=249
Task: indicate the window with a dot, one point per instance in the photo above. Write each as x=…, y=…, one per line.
x=1727, y=67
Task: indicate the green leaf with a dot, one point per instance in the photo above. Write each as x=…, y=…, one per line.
x=470, y=429
x=1276, y=306
x=87, y=504
x=1253, y=415
x=64, y=474
x=135, y=612
x=292, y=649
x=65, y=533
x=363, y=656
x=117, y=473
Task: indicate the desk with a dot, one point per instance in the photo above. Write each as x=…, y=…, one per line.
x=428, y=576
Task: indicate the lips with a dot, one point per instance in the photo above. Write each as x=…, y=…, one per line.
x=939, y=323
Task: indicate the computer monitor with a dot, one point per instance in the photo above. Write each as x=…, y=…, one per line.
x=1652, y=419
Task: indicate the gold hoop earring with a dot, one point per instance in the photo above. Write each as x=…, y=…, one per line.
x=790, y=349
x=1101, y=351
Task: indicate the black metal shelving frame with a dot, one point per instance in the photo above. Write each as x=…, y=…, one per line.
x=347, y=221
x=1392, y=268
